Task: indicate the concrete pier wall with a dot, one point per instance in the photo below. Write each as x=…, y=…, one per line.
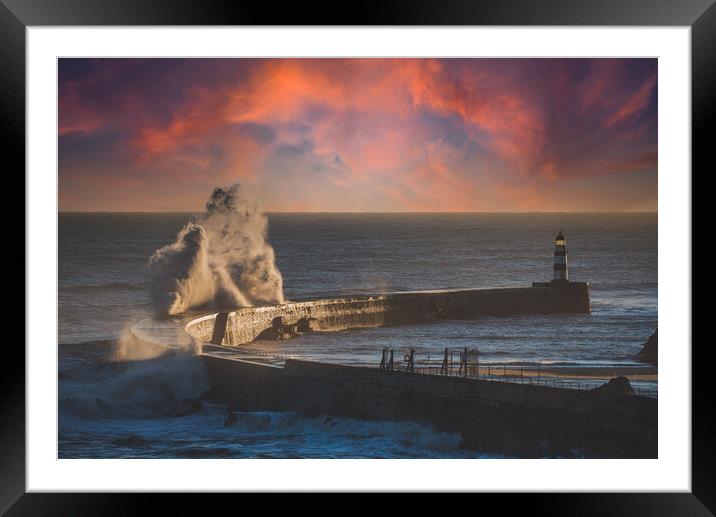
x=515, y=419
x=247, y=324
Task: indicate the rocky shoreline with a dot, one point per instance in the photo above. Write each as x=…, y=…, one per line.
x=649, y=352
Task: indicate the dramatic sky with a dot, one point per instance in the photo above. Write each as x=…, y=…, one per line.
x=359, y=134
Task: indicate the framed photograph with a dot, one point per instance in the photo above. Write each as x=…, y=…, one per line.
x=433, y=250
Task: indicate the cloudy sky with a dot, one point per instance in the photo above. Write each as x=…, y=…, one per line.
x=359, y=134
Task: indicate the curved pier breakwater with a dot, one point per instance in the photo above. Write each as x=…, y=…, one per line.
x=272, y=322
x=521, y=419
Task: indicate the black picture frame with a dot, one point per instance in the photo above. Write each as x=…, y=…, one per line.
x=700, y=15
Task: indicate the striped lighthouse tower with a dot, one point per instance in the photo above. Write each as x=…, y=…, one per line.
x=560, y=259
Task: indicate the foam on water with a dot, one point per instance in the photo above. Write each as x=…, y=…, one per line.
x=255, y=435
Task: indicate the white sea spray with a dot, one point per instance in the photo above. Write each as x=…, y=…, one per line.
x=220, y=260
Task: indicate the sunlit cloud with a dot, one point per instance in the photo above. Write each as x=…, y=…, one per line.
x=357, y=134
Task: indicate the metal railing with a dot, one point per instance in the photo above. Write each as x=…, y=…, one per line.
x=466, y=365
x=500, y=372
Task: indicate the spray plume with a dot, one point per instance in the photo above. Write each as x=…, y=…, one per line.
x=221, y=260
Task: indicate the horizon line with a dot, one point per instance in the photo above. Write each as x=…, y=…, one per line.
x=370, y=212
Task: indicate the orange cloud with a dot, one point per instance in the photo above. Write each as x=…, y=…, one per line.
x=424, y=134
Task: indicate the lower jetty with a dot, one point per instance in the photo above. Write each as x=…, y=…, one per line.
x=517, y=419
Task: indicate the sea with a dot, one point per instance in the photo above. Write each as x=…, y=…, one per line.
x=120, y=409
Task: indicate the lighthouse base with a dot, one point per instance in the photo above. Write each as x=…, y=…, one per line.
x=573, y=296
x=556, y=282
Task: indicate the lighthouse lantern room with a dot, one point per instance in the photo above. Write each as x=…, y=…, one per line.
x=560, y=259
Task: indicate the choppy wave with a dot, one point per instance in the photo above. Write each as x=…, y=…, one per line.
x=96, y=385
x=108, y=287
x=257, y=435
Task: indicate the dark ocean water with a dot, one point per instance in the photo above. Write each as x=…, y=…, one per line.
x=110, y=409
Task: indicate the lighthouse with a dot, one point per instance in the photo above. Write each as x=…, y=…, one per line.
x=560, y=259
x=560, y=291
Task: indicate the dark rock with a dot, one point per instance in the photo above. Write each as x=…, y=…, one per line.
x=188, y=407
x=278, y=330
x=649, y=352
x=307, y=325
x=616, y=386
x=269, y=334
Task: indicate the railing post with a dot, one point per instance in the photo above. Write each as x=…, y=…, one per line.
x=477, y=362
x=462, y=371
